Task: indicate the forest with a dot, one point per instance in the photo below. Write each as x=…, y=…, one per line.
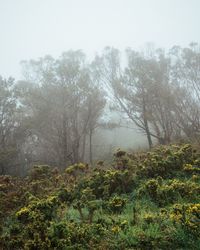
x=55, y=193
x=51, y=116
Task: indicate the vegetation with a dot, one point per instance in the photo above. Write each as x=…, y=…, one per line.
x=53, y=115
x=142, y=201
x=99, y=150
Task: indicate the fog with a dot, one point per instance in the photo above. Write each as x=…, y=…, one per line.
x=34, y=28
x=80, y=79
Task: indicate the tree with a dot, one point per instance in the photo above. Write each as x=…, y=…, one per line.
x=63, y=104
x=9, y=125
x=141, y=91
x=186, y=78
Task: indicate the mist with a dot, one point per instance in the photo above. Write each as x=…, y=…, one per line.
x=82, y=79
x=99, y=124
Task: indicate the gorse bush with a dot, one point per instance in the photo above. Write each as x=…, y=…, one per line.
x=76, y=169
x=31, y=227
x=116, y=204
x=188, y=216
x=142, y=201
x=164, y=193
x=164, y=161
x=40, y=172
x=192, y=168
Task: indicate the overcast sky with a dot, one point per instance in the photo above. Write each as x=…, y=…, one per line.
x=33, y=28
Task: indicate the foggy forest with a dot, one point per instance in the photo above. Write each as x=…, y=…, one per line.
x=52, y=115
x=100, y=150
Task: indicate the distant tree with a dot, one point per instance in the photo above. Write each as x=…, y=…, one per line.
x=94, y=107
x=141, y=91
x=9, y=125
x=186, y=78
x=63, y=104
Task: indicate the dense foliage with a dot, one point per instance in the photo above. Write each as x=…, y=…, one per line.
x=142, y=201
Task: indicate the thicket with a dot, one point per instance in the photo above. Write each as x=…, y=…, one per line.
x=142, y=201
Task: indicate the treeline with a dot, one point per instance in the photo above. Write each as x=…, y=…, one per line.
x=52, y=114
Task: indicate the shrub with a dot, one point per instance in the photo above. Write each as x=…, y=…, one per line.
x=105, y=183
x=116, y=204
x=188, y=216
x=39, y=172
x=164, y=161
x=163, y=194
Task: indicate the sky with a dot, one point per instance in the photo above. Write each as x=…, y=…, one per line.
x=30, y=29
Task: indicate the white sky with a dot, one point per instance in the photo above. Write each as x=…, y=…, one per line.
x=33, y=28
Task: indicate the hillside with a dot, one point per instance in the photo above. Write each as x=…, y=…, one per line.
x=145, y=200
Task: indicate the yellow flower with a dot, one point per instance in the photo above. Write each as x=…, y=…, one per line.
x=115, y=229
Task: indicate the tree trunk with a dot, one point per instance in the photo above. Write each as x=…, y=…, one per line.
x=90, y=145
x=65, y=146
x=83, y=148
x=148, y=134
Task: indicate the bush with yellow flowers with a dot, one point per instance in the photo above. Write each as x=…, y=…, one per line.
x=116, y=204
x=76, y=169
x=105, y=183
x=39, y=172
x=33, y=221
x=12, y=195
x=147, y=200
x=192, y=168
x=164, y=193
x=188, y=216
x=164, y=161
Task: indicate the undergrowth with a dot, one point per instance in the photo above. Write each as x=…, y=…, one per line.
x=142, y=201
